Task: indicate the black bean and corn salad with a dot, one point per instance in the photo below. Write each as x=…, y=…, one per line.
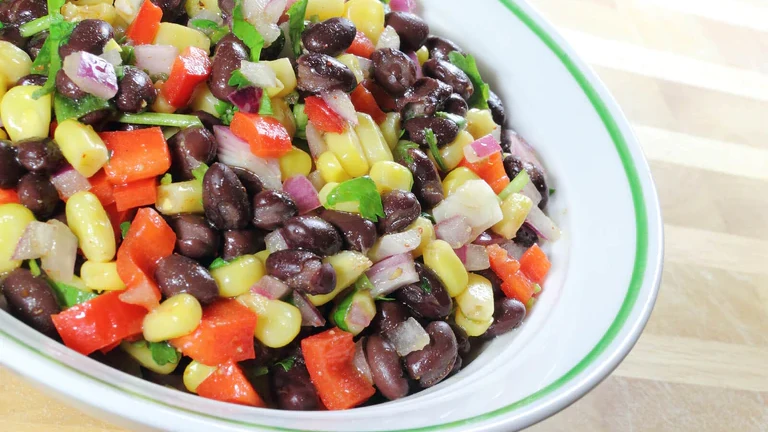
x=304, y=205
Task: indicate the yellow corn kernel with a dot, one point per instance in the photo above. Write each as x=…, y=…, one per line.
x=14, y=219
x=112, y=45
x=91, y=225
x=285, y=74
x=471, y=327
x=453, y=153
x=204, y=100
x=372, y=140
x=161, y=104
x=81, y=146
x=515, y=209
x=350, y=207
x=101, y=276
x=476, y=302
x=353, y=63
x=295, y=162
x=195, y=374
x=441, y=259
x=181, y=37
x=330, y=168
x=100, y=11
x=284, y=114
x=427, y=231
x=16, y=62
x=3, y=85
x=127, y=10
x=141, y=353
x=89, y=2
x=346, y=146
x=23, y=116
x=390, y=128
x=349, y=266
x=456, y=178
x=480, y=122
x=238, y=276
x=182, y=197
x=277, y=323
x=389, y=176
x=176, y=317
x=3, y=135
x=194, y=7
x=262, y=256
x=324, y=9
x=368, y=17
x=423, y=55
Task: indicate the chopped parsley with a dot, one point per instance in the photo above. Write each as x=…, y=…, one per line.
x=48, y=61
x=482, y=92
x=218, y=263
x=286, y=364
x=34, y=268
x=301, y=121
x=552, y=191
x=402, y=151
x=66, y=108
x=124, y=227
x=166, y=180
x=259, y=371
x=226, y=111
x=163, y=353
x=363, y=284
x=361, y=190
x=296, y=24
x=246, y=32
x=429, y=135
x=460, y=121
x=199, y=172
x=210, y=28
x=265, y=107
x=425, y=285
x=237, y=79
x=68, y=295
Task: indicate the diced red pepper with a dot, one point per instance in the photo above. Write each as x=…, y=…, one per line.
x=329, y=358
x=98, y=323
x=518, y=287
x=136, y=155
x=8, y=196
x=229, y=384
x=364, y=102
x=102, y=188
x=534, y=264
x=190, y=69
x=117, y=217
x=322, y=116
x=490, y=169
x=361, y=46
x=267, y=137
x=109, y=348
x=515, y=285
x=382, y=98
x=225, y=334
x=143, y=29
x=136, y=194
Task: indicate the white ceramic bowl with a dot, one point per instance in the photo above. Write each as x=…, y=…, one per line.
x=599, y=294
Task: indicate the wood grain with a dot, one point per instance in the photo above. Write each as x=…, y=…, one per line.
x=692, y=76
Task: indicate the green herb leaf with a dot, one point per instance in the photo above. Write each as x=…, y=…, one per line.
x=161, y=119
x=265, y=107
x=286, y=364
x=401, y=151
x=66, y=108
x=40, y=24
x=210, y=28
x=69, y=296
x=361, y=190
x=536, y=288
x=49, y=61
x=34, y=268
x=128, y=55
x=199, y=172
x=166, y=180
x=163, y=353
x=428, y=216
x=384, y=299
x=460, y=121
x=432, y=142
x=259, y=371
x=237, y=79
x=363, y=284
x=296, y=24
x=482, y=92
x=247, y=32
x=124, y=227
x=218, y=263
x=54, y=6
x=425, y=286
x=301, y=120
x=552, y=191
x=226, y=111
x=1, y=26
x=516, y=185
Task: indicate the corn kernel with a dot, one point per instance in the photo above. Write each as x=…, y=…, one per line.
x=161, y=104
x=471, y=327
x=194, y=7
x=16, y=62
x=175, y=317
x=324, y=9
x=262, y=256
x=515, y=209
x=389, y=176
x=23, y=116
x=14, y=219
x=3, y=135
x=284, y=114
x=141, y=352
x=195, y=374
x=295, y=162
x=285, y=74
x=372, y=140
x=349, y=266
x=350, y=207
x=204, y=100
x=441, y=259
x=346, y=146
x=238, y=276
x=181, y=37
x=101, y=276
x=427, y=231
x=423, y=55
x=330, y=168
x=89, y=2
x=182, y=197
x=390, y=128
x=456, y=178
x=453, y=153
x=127, y=9
x=3, y=86
x=81, y=146
x=353, y=63
x=277, y=324
x=368, y=17
x=476, y=302
x=102, y=11
x=91, y=225
x=480, y=122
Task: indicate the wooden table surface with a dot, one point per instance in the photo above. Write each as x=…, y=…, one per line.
x=692, y=76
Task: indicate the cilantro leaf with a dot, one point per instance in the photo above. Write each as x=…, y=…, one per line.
x=460, y=121
x=428, y=217
x=363, y=284
x=265, y=107
x=401, y=151
x=218, y=263
x=301, y=120
x=34, y=268
x=199, y=172
x=480, y=97
x=166, y=180
x=552, y=191
x=127, y=54
x=296, y=24
x=68, y=295
x=361, y=190
x=55, y=5
x=210, y=28
x=66, y=108
x=59, y=33
x=286, y=364
x=386, y=299
x=225, y=110
x=237, y=79
x=163, y=353
x=259, y=371
x=425, y=285
x=432, y=142
x=246, y=32
x=124, y=227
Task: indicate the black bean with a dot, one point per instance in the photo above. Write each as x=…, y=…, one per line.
x=319, y=73
x=389, y=315
x=455, y=104
x=230, y=51
x=426, y=180
x=427, y=298
x=445, y=130
x=242, y=242
x=249, y=179
x=456, y=367
x=189, y=148
x=526, y=236
x=66, y=87
x=439, y=48
x=433, y=363
x=413, y=31
x=195, y=238
x=32, y=300
x=35, y=44
x=311, y=233
x=23, y=11
x=32, y=79
x=271, y=208
x=225, y=200
x=359, y=233
x=208, y=120
x=513, y=165
x=293, y=388
x=90, y=35
x=331, y=37
x=10, y=169
x=96, y=118
x=386, y=370
x=401, y=209
x=424, y=99
x=462, y=339
x=497, y=109
x=40, y=155
x=302, y=270
x=3, y=302
x=37, y=193
x=176, y=274
x=508, y=314
x=10, y=33
x=226, y=6
x=451, y=75
x=393, y=70
x=272, y=52
x=135, y=93
x=172, y=9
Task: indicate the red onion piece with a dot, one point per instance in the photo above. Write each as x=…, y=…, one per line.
x=235, y=152
x=513, y=249
x=59, y=262
x=454, y=230
x=415, y=60
x=92, y=74
x=315, y=141
x=476, y=258
x=113, y=57
x=310, y=316
x=36, y=241
x=392, y=273
x=366, y=65
x=408, y=337
x=358, y=317
x=155, y=59
x=481, y=149
x=361, y=364
x=542, y=224
x=69, y=182
x=395, y=244
x=403, y=5
x=531, y=192
x=461, y=253
x=247, y=99
x=474, y=200
x=388, y=39
x=303, y=193
x=275, y=242
x=341, y=104
x=523, y=151
x=271, y=288
x=264, y=15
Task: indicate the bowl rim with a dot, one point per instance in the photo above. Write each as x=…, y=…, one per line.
x=647, y=214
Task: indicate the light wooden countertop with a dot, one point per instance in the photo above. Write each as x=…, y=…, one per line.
x=692, y=76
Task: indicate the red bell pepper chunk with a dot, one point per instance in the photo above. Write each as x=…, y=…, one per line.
x=534, y=264
x=329, y=358
x=136, y=155
x=490, y=169
x=229, y=384
x=382, y=98
x=225, y=334
x=361, y=46
x=190, y=69
x=117, y=217
x=136, y=194
x=148, y=241
x=144, y=27
x=515, y=285
x=267, y=137
x=102, y=188
x=8, y=196
x=364, y=102
x=322, y=116
x=98, y=323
